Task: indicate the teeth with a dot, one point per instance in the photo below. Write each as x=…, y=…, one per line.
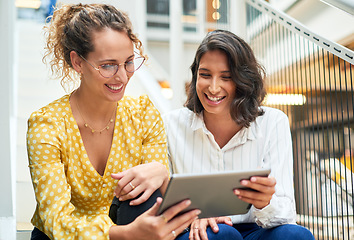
x=214, y=99
x=115, y=88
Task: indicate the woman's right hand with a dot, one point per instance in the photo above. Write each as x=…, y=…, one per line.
x=149, y=226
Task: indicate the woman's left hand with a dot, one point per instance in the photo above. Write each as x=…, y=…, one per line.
x=265, y=188
x=199, y=226
x=144, y=178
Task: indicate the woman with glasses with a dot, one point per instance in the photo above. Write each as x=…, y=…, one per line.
x=94, y=143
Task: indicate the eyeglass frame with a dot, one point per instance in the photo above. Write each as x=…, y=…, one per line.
x=124, y=63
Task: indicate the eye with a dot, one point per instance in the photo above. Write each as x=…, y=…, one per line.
x=108, y=66
x=226, y=78
x=129, y=62
x=204, y=75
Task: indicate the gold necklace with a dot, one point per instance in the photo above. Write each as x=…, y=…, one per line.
x=92, y=129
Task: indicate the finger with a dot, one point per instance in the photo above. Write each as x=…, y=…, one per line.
x=268, y=189
x=194, y=230
x=153, y=210
x=195, y=234
x=130, y=195
x=192, y=227
x=180, y=228
x=123, y=185
x=213, y=225
x=183, y=221
x=202, y=233
x=226, y=220
x=258, y=200
x=175, y=209
x=117, y=176
x=259, y=204
x=203, y=225
x=267, y=181
x=143, y=198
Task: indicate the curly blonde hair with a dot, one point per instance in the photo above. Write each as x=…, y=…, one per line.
x=71, y=28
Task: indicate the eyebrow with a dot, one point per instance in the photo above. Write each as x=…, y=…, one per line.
x=205, y=69
x=114, y=60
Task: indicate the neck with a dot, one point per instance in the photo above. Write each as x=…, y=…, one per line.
x=223, y=127
x=93, y=109
x=95, y=116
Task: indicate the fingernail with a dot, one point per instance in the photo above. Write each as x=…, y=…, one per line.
x=215, y=229
x=198, y=212
x=244, y=182
x=253, y=179
x=237, y=192
x=188, y=202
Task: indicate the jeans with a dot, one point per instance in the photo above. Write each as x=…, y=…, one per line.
x=251, y=231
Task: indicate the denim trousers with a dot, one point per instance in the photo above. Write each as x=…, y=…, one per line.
x=251, y=231
x=122, y=213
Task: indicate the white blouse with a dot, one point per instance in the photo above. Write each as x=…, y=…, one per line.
x=265, y=144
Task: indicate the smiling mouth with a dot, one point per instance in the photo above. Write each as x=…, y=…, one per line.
x=214, y=99
x=115, y=88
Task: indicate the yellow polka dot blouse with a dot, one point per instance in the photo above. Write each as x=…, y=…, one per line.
x=73, y=199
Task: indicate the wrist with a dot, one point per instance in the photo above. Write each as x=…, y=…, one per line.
x=164, y=185
x=119, y=232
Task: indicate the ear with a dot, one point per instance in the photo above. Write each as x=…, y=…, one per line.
x=76, y=61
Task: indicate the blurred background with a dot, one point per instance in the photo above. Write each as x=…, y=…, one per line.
x=306, y=47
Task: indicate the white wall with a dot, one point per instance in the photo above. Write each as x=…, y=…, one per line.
x=35, y=90
x=7, y=123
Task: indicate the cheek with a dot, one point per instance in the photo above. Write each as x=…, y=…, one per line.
x=129, y=75
x=199, y=88
x=231, y=89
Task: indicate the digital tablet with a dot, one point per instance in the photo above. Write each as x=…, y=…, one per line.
x=212, y=193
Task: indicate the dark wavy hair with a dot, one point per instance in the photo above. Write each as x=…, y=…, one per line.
x=247, y=74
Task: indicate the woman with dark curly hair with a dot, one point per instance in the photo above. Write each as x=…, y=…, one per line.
x=224, y=127
x=94, y=143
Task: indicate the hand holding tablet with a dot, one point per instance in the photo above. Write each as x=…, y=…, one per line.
x=212, y=193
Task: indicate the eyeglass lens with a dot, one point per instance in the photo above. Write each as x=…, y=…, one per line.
x=108, y=70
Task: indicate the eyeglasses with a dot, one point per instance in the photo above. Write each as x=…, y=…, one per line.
x=108, y=70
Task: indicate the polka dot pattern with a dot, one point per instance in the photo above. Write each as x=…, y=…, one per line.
x=73, y=200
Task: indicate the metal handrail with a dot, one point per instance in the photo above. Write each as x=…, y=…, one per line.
x=293, y=25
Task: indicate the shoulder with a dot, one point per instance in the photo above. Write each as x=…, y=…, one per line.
x=135, y=102
x=181, y=114
x=272, y=120
x=138, y=107
x=54, y=110
x=272, y=114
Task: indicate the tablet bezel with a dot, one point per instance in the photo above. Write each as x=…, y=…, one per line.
x=212, y=193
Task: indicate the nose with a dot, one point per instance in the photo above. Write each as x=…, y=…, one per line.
x=214, y=86
x=122, y=74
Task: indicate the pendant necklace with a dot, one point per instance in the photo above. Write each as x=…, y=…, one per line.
x=92, y=129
